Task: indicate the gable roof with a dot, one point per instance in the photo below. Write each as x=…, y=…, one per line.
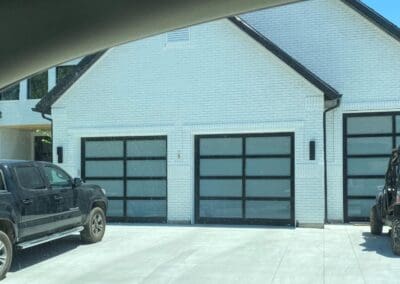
x=44, y=105
x=374, y=17
x=329, y=92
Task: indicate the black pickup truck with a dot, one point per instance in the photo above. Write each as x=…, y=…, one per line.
x=40, y=202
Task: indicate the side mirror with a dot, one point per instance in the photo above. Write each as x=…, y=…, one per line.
x=77, y=182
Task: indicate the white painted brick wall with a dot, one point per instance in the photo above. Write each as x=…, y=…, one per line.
x=220, y=82
x=346, y=50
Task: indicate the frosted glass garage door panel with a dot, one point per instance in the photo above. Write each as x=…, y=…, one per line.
x=367, y=166
x=360, y=207
x=221, y=167
x=268, y=209
x=99, y=149
x=221, y=146
x=268, y=167
x=369, y=125
x=113, y=188
x=147, y=188
x=364, y=187
x=115, y=208
x=222, y=187
x=146, y=148
x=268, y=145
x=147, y=168
x=268, y=188
x=369, y=145
x=104, y=168
x=146, y=208
x=220, y=208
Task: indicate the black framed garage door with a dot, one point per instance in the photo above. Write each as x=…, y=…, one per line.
x=133, y=171
x=368, y=139
x=244, y=179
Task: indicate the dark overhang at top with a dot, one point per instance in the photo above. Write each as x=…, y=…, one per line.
x=374, y=17
x=44, y=105
x=329, y=92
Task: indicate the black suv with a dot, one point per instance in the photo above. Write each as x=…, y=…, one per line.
x=40, y=202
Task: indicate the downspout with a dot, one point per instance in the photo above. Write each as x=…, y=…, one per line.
x=51, y=123
x=325, y=160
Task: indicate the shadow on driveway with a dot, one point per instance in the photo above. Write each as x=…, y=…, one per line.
x=31, y=256
x=379, y=244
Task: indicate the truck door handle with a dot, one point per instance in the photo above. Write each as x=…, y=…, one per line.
x=27, y=201
x=57, y=197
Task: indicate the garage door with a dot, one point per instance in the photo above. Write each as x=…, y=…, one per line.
x=245, y=179
x=133, y=170
x=368, y=141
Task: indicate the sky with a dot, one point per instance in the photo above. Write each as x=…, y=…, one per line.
x=388, y=8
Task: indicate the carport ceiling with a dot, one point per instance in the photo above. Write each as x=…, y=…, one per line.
x=36, y=35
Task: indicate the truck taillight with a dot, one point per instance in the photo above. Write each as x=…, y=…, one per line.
x=398, y=196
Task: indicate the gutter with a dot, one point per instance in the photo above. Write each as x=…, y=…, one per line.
x=337, y=104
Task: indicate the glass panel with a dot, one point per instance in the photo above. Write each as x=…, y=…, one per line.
x=360, y=207
x=10, y=93
x=369, y=145
x=369, y=124
x=146, y=208
x=397, y=123
x=221, y=167
x=38, y=86
x=397, y=141
x=267, y=188
x=367, y=166
x=147, y=168
x=267, y=145
x=221, y=208
x=220, y=146
x=146, y=148
x=268, y=209
x=99, y=149
x=112, y=187
x=57, y=178
x=115, y=208
x=225, y=187
x=268, y=167
x=364, y=187
x=104, y=169
x=64, y=71
x=141, y=188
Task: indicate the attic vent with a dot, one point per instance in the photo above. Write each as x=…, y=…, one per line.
x=181, y=35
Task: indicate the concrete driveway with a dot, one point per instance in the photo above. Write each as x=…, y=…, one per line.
x=192, y=254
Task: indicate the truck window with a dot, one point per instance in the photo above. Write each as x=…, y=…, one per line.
x=2, y=181
x=29, y=177
x=56, y=177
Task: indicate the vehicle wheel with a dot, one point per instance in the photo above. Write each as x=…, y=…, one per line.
x=95, y=227
x=374, y=221
x=395, y=236
x=6, y=254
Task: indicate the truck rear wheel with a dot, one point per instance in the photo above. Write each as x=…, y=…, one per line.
x=375, y=222
x=95, y=227
x=395, y=236
x=6, y=254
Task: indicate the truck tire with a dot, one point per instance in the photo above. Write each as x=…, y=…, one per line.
x=95, y=226
x=395, y=236
x=375, y=222
x=6, y=254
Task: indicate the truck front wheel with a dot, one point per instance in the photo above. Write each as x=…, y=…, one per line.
x=95, y=226
x=6, y=254
x=375, y=222
x=395, y=236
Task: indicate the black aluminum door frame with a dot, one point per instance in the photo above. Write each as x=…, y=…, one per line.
x=393, y=135
x=247, y=221
x=125, y=178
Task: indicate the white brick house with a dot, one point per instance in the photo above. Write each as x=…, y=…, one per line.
x=217, y=124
